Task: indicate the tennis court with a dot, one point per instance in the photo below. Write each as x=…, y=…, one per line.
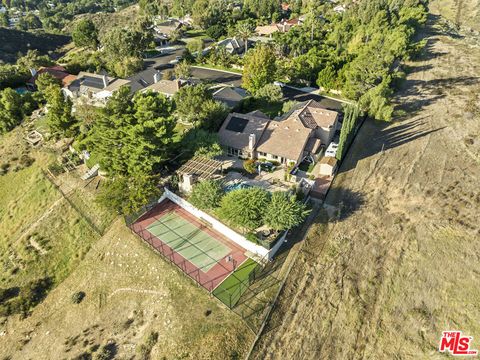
x=196, y=248
x=194, y=244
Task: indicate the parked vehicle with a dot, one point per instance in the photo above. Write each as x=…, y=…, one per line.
x=176, y=60
x=331, y=150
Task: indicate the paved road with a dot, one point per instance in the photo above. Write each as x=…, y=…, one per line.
x=162, y=63
x=297, y=95
x=217, y=76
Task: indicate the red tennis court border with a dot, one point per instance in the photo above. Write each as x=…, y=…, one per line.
x=209, y=279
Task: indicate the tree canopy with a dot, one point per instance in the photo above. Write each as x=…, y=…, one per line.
x=244, y=207
x=259, y=68
x=284, y=211
x=85, y=34
x=206, y=195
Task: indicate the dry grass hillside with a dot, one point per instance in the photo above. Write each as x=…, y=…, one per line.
x=463, y=13
x=104, y=21
x=393, y=259
x=136, y=304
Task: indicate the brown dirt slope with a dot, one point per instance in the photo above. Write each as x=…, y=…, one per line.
x=398, y=264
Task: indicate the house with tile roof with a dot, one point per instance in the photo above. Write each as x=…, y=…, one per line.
x=298, y=134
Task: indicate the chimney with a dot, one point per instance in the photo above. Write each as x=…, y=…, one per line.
x=156, y=77
x=251, y=142
x=105, y=81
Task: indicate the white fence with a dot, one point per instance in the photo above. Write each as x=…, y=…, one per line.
x=222, y=228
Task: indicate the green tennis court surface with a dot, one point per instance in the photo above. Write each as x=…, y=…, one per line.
x=231, y=289
x=194, y=244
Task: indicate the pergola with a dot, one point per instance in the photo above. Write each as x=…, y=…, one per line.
x=201, y=168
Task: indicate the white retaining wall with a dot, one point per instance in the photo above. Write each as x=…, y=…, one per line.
x=217, y=225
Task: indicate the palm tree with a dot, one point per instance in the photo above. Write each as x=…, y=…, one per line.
x=244, y=30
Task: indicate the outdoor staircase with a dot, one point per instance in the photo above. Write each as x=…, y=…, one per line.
x=91, y=173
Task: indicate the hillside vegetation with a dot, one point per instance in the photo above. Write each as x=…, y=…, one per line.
x=15, y=42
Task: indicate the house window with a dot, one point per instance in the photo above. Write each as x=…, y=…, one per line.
x=262, y=153
x=274, y=157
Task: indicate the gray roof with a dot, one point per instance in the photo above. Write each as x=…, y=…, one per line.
x=229, y=95
x=236, y=129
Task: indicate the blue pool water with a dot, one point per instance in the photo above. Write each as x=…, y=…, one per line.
x=232, y=187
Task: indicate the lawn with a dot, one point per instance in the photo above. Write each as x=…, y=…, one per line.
x=233, y=287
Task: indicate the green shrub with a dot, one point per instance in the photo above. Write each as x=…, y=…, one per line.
x=77, y=297
x=249, y=166
x=206, y=195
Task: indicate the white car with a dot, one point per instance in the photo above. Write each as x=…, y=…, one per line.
x=331, y=150
x=279, y=83
x=176, y=60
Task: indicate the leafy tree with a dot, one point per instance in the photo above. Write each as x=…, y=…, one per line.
x=219, y=55
x=196, y=46
x=270, y=93
x=133, y=136
x=10, y=110
x=183, y=70
x=33, y=60
x=244, y=30
x=13, y=76
x=59, y=115
x=284, y=211
x=206, y=195
x=85, y=34
x=215, y=31
x=288, y=105
x=127, y=194
x=4, y=19
x=126, y=66
x=195, y=106
x=244, y=207
x=168, y=74
x=259, y=68
x=123, y=49
x=45, y=80
x=352, y=112
x=261, y=8
x=199, y=142
x=327, y=78
x=29, y=21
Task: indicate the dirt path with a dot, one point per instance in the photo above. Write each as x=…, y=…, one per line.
x=401, y=264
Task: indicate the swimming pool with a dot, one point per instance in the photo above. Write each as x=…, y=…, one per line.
x=237, y=186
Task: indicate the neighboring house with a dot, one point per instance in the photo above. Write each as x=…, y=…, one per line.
x=328, y=166
x=94, y=87
x=233, y=45
x=283, y=26
x=163, y=30
x=266, y=30
x=166, y=87
x=58, y=72
x=300, y=133
x=230, y=95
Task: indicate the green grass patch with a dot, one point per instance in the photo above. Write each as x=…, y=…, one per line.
x=233, y=287
x=221, y=68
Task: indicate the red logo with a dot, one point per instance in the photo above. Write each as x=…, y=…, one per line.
x=456, y=344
